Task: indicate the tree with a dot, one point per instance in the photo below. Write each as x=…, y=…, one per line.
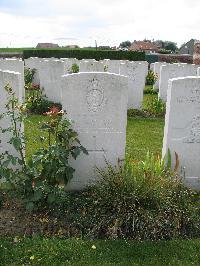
x=166, y=46
x=125, y=44
x=172, y=46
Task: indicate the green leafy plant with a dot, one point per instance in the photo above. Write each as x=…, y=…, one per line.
x=28, y=76
x=15, y=114
x=151, y=78
x=49, y=166
x=105, y=68
x=75, y=68
x=150, y=90
x=36, y=101
x=141, y=200
x=155, y=107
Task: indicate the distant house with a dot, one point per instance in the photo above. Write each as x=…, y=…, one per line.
x=144, y=46
x=104, y=47
x=188, y=48
x=47, y=45
x=71, y=46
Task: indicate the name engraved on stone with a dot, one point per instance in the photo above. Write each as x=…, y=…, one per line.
x=194, y=135
x=94, y=124
x=193, y=99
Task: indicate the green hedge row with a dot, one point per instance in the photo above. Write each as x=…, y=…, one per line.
x=82, y=53
x=151, y=58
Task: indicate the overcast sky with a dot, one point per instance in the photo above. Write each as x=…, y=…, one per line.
x=24, y=23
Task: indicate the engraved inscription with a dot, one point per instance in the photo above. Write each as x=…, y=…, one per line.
x=194, y=135
x=194, y=98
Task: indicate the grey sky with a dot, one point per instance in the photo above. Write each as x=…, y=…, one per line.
x=27, y=22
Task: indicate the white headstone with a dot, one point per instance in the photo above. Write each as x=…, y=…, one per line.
x=91, y=66
x=34, y=63
x=16, y=65
x=14, y=81
x=97, y=103
x=113, y=66
x=198, y=71
x=156, y=70
x=152, y=67
x=171, y=71
x=89, y=60
x=69, y=62
x=136, y=73
x=182, y=127
x=50, y=78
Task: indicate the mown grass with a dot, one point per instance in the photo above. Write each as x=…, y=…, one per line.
x=41, y=251
x=144, y=134
x=33, y=133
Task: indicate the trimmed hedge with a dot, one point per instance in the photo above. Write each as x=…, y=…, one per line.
x=152, y=58
x=84, y=54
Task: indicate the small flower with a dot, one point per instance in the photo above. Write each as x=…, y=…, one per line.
x=35, y=86
x=21, y=107
x=54, y=111
x=32, y=257
x=94, y=247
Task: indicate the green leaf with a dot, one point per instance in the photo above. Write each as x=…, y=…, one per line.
x=30, y=206
x=51, y=198
x=169, y=159
x=38, y=195
x=16, y=143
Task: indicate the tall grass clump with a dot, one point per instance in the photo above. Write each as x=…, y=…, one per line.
x=141, y=200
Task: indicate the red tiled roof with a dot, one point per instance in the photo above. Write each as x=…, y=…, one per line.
x=143, y=46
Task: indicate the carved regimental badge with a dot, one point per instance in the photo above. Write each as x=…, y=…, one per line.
x=95, y=96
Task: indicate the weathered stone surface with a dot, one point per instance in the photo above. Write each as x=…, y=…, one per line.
x=97, y=103
x=156, y=70
x=50, y=74
x=182, y=127
x=112, y=66
x=136, y=73
x=171, y=71
x=152, y=67
x=16, y=65
x=69, y=62
x=14, y=80
x=34, y=63
x=91, y=66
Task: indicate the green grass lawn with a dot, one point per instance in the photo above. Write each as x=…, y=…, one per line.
x=41, y=251
x=33, y=133
x=144, y=135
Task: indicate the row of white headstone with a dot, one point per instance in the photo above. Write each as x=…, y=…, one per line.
x=97, y=102
x=49, y=72
x=167, y=71
x=179, y=87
